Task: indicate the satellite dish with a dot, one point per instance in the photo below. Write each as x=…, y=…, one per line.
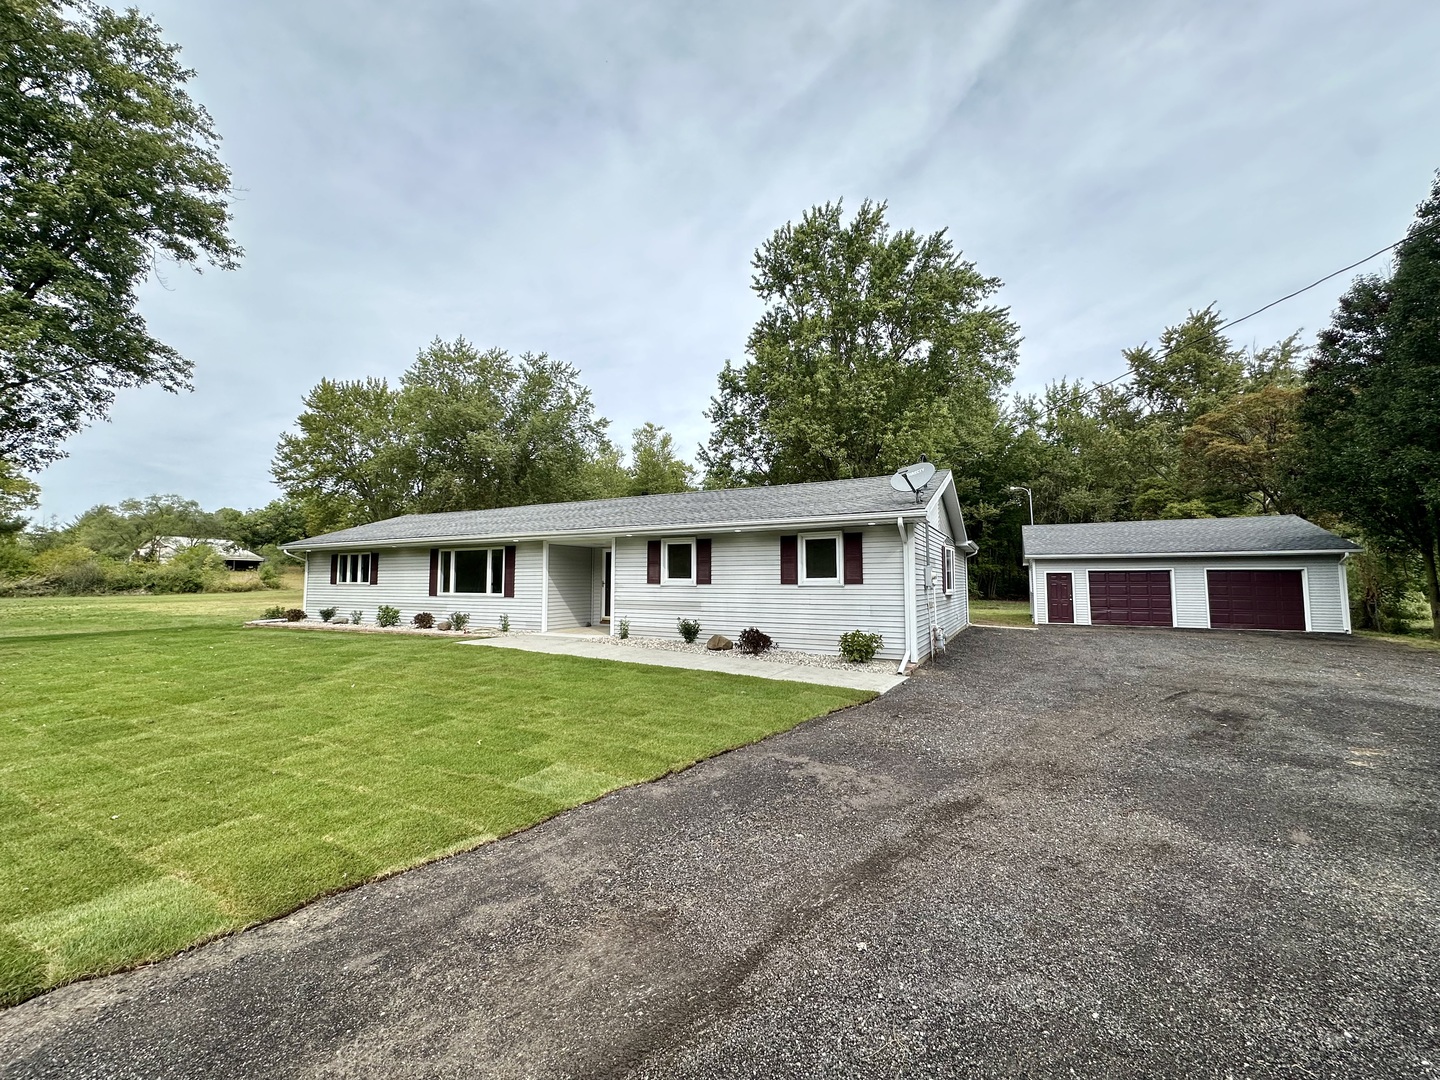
x=913, y=478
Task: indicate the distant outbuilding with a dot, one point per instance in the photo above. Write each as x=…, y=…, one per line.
x=1276, y=572
x=164, y=548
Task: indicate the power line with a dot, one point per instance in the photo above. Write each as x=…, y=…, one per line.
x=1287, y=296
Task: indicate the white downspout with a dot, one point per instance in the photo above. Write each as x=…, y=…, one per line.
x=908, y=560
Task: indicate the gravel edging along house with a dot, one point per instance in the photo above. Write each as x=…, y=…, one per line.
x=361, y=628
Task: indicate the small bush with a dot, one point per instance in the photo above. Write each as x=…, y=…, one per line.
x=326, y=614
x=754, y=641
x=424, y=620
x=624, y=628
x=459, y=620
x=689, y=629
x=385, y=615
x=858, y=647
x=355, y=617
x=270, y=577
x=504, y=624
x=294, y=614
x=275, y=611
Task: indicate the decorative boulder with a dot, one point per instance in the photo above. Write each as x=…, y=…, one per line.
x=443, y=624
x=719, y=642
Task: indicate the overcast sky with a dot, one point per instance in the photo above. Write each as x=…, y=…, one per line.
x=590, y=180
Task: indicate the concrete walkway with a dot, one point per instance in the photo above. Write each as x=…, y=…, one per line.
x=562, y=644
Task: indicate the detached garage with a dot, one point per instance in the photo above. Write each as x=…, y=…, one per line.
x=1251, y=573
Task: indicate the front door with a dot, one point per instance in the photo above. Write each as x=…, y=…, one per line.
x=1060, y=597
x=605, y=586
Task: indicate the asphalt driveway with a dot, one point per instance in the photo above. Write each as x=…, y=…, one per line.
x=1122, y=853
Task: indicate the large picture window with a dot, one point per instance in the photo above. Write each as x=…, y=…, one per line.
x=474, y=571
x=353, y=569
x=820, y=559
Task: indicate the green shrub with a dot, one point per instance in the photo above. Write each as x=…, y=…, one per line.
x=689, y=629
x=624, y=629
x=295, y=614
x=327, y=613
x=423, y=620
x=275, y=611
x=754, y=641
x=385, y=615
x=355, y=617
x=504, y=624
x=269, y=576
x=858, y=647
x=459, y=620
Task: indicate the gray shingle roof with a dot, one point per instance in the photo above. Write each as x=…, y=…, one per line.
x=1190, y=536
x=777, y=505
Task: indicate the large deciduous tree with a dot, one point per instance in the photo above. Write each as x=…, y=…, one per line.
x=875, y=346
x=655, y=467
x=464, y=430
x=107, y=169
x=1371, y=413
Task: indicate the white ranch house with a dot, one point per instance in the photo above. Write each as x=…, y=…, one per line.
x=803, y=562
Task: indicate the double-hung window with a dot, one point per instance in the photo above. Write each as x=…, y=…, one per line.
x=473, y=571
x=353, y=569
x=820, y=559
x=949, y=569
x=679, y=562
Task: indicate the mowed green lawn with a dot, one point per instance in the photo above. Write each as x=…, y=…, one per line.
x=166, y=777
x=1000, y=612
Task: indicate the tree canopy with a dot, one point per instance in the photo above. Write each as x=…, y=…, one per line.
x=463, y=430
x=875, y=346
x=107, y=169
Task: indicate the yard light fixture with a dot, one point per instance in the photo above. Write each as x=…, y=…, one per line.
x=1031, y=494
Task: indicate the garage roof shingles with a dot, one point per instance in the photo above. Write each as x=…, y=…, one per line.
x=776, y=504
x=1277, y=533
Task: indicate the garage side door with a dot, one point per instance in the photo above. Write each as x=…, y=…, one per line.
x=1256, y=599
x=1130, y=597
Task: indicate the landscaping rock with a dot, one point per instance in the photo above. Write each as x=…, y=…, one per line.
x=443, y=624
x=718, y=643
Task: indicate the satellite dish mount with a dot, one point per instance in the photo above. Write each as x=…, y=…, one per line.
x=913, y=478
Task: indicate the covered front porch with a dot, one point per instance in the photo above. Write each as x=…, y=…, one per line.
x=577, y=587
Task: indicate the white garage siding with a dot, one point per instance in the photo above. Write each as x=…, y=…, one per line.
x=404, y=582
x=746, y=591
x=1326, y=599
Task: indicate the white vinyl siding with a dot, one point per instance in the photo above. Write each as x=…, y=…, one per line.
x=405, y=583
x=951, y=613
x=746, y=591
x=1326, y=599
x=570, y=586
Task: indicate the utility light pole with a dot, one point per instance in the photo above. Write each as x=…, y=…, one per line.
x=1031, y=494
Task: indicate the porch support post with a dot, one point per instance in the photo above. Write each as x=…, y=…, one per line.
x=610, y=586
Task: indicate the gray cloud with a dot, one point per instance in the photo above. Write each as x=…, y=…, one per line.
x=591, y=181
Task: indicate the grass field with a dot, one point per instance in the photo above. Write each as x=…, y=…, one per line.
x=1000, y=612
x=166, y=777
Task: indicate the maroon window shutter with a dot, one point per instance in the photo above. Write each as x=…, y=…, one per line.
x=702, y=561
x=854, y=559
x=510, y=570
x=374, y=568
x=789, y=560
x=334, y=569
x=652, y=563
x=434, y=571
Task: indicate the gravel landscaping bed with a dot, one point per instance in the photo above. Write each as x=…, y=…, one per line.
x=773, y=656
x=364, y=628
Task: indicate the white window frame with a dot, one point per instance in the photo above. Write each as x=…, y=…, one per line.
x=361, y=563
x=947, y=570
x=446, y=570
x=665, y=578
x=804, y=570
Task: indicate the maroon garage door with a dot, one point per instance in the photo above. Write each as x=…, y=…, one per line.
x=1130, y=597
x=1256, y=599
